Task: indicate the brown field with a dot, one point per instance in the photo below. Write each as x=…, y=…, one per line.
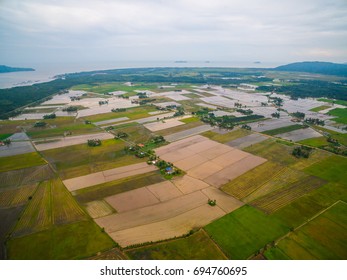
x=187, y=184
x=15, y=197
x=233, y=171
x=161, y=125
x=107, y=176
x=98, y=208
x=154, y=213
x=132, y=200
x=207, y=160
x=204, y=170
x=164, y=190
x=224, y=201
x=170, y=228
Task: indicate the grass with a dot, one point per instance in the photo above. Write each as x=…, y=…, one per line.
x=340, y=102
x=37, y=215
x=332, y=169
x=4, y=136
x=190, y=120
x=289, y=192
x=73, y=241
x=245, y=231
x=50, y=205
x=137, y=133
x=320, y=108
x=197, y=246
x=16, y=197
x=57, y=127
x=315, y=142
x=78, y=160
x=20, y=161
x=340, y=113
x=322, y=238
x=250, y=181
x=341, y=137
x=283, y=129
x=115, y=187
x=274, y=151
x=307, y=206
x=131, y=113
x=227, y=137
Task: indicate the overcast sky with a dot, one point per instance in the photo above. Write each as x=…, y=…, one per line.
x=217, y=30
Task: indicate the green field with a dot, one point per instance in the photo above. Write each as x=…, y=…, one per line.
x=109, y=87
x=71, y=241
x=315, y=142
x=4, y=136
x=57, y=127
x=341, y=115
x=332, y=169
x=320, y=108
x=341, y=137
x=114, y=187
x=283, y=129
x=190, y=120
x=131, y=113
x=50, y=205
x=227, y=137
x=20, y=161
x=245, y=231
x=78, y=160
x=340, y=102
x=324, y=237
x=198, y=246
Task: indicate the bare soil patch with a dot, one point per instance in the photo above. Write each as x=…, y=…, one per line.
x=164, y=190
x=187, y=184
x=131, y=200
x=170, y=228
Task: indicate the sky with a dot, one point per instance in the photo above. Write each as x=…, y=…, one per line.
x=168, y=30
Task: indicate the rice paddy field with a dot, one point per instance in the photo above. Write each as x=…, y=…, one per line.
x=269, y=204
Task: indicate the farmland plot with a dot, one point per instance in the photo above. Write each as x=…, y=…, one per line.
x=16, y=197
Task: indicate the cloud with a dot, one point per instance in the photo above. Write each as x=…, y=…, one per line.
x=153, y=29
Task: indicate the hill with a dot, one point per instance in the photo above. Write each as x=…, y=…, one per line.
x=327, y=68
x=7, y=69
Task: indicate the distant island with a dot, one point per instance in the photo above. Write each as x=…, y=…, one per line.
x=316, y=67
x=181, y=61
x=7, y=69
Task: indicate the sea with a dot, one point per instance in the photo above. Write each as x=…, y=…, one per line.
x=45, y=72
